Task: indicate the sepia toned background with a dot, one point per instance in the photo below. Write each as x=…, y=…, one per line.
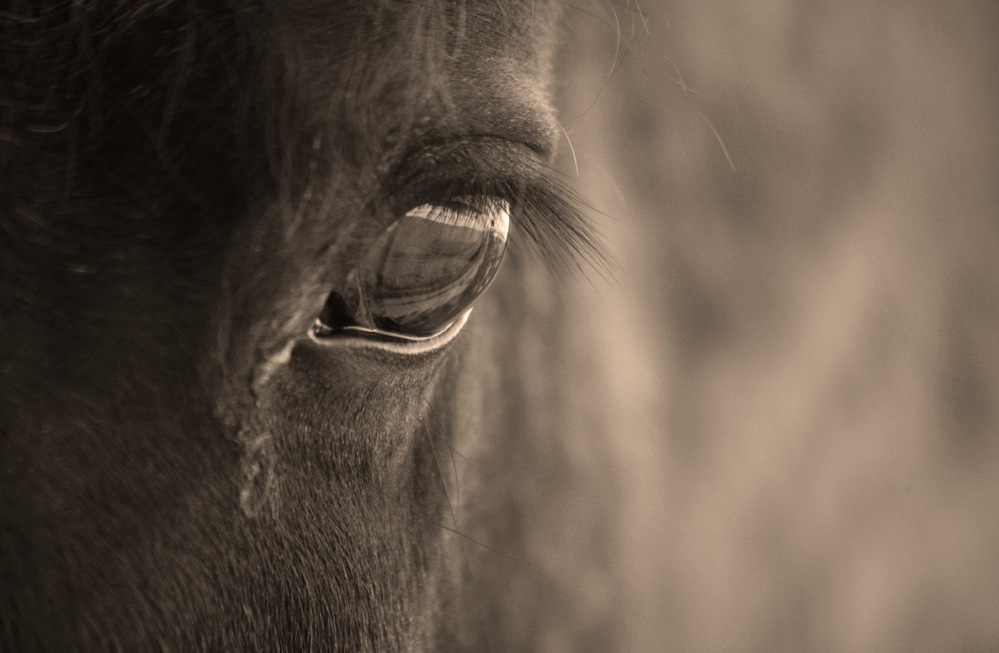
x=801, y=337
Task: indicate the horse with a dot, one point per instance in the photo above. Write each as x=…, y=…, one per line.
x=295, y=351
x=247, y=404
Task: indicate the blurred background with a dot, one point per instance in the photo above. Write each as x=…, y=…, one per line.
x=802, y=339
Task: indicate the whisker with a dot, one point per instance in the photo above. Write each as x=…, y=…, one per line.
x=572, y=150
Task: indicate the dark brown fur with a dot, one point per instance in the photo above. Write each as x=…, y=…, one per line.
x=173, y=179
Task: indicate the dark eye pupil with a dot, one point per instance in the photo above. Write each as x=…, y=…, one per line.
x=423, y=271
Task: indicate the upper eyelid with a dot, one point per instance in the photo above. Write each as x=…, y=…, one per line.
x=481, y=163
x=468, y=147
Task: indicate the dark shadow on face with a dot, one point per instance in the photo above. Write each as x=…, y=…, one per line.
x=184, y=466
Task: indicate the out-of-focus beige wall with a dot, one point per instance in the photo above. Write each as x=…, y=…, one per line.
x=803, y=344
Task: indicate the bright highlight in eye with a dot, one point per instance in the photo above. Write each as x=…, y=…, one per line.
x=423, y=271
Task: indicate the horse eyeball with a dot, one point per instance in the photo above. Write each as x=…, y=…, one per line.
x=423, y=271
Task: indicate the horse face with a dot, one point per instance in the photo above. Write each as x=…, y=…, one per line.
x=187, y=460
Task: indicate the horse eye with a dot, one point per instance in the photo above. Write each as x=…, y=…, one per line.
x=422, y=272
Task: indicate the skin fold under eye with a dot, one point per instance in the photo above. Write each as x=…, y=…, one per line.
x=422, y=272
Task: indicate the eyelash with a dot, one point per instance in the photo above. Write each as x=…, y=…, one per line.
x=551, y=218
x=548, y=213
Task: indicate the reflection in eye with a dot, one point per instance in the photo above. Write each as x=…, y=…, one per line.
x=423, y=271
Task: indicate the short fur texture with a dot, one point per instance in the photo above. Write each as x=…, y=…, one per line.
x=184, y=468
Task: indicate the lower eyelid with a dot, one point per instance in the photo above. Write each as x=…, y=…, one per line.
x=405, y=347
